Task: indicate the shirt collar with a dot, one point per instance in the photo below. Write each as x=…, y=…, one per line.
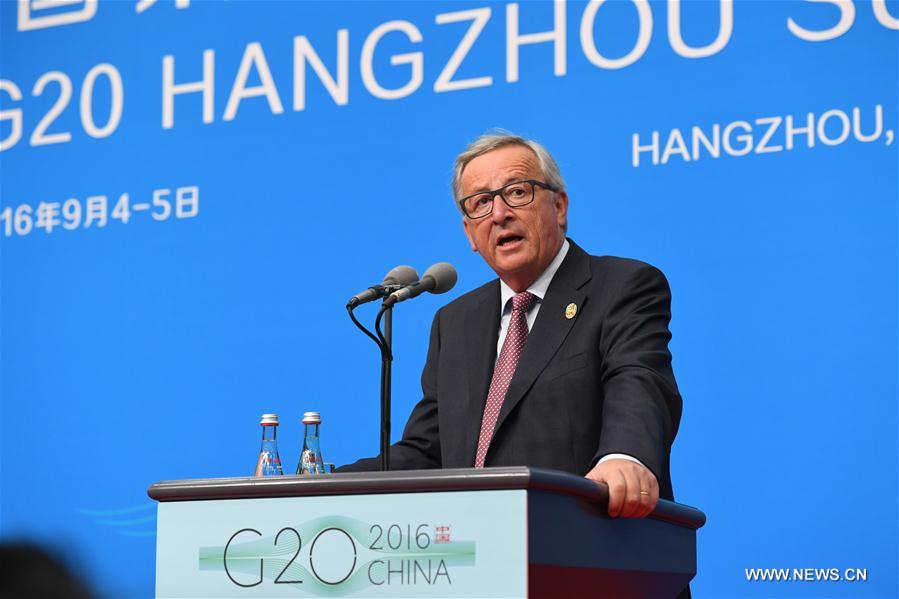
x=539, y=286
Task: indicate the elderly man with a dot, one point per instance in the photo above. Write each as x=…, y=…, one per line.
x=562, y=362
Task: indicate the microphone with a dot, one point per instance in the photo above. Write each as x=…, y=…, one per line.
x=439, y=278
x=397, y=277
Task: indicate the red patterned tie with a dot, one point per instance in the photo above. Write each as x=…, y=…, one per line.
x=505, y=368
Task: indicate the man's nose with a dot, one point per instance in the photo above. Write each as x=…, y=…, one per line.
x=501, y=210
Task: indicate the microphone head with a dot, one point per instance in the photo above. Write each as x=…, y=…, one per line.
x=401, y=275
x=444, y=276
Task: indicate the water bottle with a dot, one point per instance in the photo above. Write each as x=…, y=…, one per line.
x=269, y=463
x=311, y=457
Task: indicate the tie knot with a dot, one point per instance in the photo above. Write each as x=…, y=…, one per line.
x=523, y=301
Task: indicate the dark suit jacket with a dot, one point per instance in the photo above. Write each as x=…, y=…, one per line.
x=598, y=383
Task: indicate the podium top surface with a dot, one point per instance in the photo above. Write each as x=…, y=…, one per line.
x=410, y=481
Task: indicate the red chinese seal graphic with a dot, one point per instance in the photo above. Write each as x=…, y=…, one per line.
x=442, y=534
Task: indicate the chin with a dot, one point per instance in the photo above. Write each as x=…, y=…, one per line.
x=507, y=268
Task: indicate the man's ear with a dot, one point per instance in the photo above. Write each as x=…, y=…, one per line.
x=467, y=225
x=561, y=208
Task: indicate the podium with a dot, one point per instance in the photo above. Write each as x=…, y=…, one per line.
x=494, y=532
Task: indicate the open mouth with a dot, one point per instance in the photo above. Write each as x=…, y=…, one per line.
x=508, y=240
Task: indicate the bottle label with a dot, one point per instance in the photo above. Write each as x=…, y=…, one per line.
x=268, y=464
x=309, y=463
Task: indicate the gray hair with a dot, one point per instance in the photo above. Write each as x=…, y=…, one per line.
x=498, y=138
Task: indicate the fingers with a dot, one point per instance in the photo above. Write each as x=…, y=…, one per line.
x=641, y=492
x=633, y=489
x=648, y=495
x=617, y=492
x=631, y=507
x=609, y=474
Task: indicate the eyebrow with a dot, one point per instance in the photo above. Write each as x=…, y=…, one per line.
x=511, y=179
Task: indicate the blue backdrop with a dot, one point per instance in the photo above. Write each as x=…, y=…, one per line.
x=192, y=190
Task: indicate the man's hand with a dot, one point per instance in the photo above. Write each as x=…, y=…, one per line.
x=633, y=488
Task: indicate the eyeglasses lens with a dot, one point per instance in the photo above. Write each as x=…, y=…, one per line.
x=514, y=194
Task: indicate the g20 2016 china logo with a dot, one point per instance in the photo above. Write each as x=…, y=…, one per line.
x=325, y=554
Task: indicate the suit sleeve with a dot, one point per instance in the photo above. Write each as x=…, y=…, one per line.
x=420, y=446
x=642, y=406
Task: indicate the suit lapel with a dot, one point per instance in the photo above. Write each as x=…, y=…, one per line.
x=551, y=327
x=483, y=326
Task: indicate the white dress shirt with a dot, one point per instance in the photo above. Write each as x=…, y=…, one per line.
x=538, y=288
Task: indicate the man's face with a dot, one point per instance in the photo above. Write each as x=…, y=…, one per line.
x=517, y=243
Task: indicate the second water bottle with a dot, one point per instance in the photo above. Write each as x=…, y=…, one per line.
x=311, y=458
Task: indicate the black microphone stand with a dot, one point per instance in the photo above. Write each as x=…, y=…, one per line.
x=439, y=278
x=384, y=342
x=386, y=376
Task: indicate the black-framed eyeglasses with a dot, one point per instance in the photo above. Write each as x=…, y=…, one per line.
x=515, y=195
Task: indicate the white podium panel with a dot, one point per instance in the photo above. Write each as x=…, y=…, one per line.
x=435, y=544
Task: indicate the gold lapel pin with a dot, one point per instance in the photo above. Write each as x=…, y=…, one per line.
x=570, y=311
